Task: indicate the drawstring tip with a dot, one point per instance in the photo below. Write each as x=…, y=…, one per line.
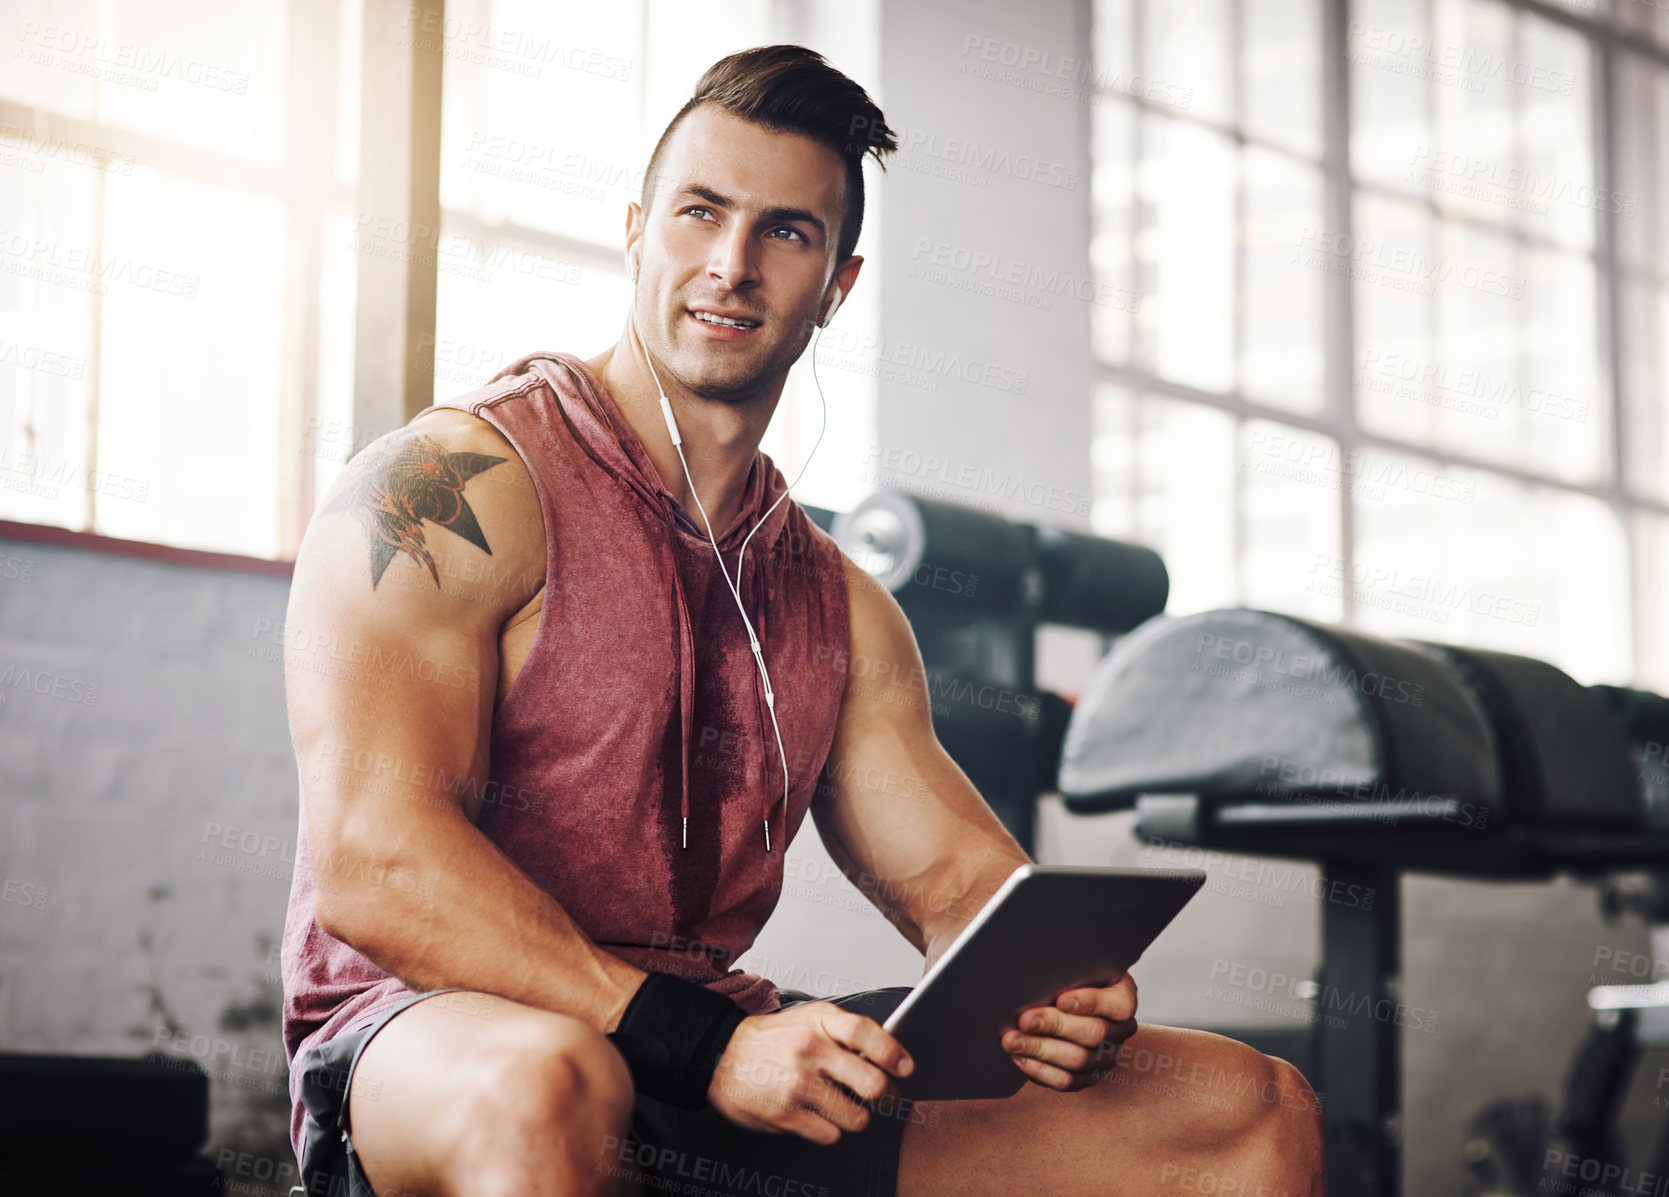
x=767, y=835
x=686, y=842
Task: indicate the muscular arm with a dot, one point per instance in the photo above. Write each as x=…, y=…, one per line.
x=898, y=816
x=391, y=675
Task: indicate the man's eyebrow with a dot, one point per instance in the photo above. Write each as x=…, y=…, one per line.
x=708, y=195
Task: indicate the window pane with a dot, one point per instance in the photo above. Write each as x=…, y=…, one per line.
x=1110, y=42
x=1480, y=560
x=199, y=72
x=188, y=408
x=46, y=308
x=503, y=300
x=1645, y=379
x=1651, y=556
x=1291, y=521
x=1112, y=125
x=1559, y=402
x=1282, y=72
x=1113, y=462
x=1282, y=333
x=1390, y=123
x=503, y=156
x=1556, y=112
x=1185, y=470
x=1185, y=248
x=1469, y=63
x=1398, y=388
x=1185, y=45
x=1642, y=164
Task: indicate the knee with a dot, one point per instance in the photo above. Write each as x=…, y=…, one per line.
x=555, y=1091
x=1276, y=1113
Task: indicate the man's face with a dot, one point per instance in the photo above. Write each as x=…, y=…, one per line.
x=735, y=252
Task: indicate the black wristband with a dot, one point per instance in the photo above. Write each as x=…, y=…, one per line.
x=672, y=1034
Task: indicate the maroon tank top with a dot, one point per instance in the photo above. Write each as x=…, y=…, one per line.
x=639, y=701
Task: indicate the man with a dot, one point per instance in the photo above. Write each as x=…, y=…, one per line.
x=558, y=715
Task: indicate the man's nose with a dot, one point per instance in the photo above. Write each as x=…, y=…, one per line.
x=732, y=261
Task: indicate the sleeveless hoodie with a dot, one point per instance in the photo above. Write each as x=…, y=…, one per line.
x=639, y=703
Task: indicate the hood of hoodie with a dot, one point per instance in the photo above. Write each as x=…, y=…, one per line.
x=599, y=427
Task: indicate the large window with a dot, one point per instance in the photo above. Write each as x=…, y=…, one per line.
x=183, y=234
x=1399, y=356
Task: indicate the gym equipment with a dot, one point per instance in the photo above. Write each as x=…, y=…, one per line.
x=88, y=1124
x=975, y=587
x=1510, y=1139
x=1260, y=733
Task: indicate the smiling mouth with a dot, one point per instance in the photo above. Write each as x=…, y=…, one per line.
x=724, y=321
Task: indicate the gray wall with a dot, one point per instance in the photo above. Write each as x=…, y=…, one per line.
x=129, y=925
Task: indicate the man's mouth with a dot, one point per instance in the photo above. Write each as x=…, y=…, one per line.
x=714, y=318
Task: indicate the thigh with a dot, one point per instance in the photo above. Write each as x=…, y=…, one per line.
x=1176, y=1099
x=439, y=1082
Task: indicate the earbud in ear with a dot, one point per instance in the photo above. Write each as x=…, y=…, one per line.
x=834, y=306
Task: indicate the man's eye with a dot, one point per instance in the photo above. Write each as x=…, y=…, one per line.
x=697, y=208
x=790, y=231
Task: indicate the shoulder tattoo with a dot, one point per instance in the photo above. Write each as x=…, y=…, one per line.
x=395, y=487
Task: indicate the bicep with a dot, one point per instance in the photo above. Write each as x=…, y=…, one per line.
x=391, y=664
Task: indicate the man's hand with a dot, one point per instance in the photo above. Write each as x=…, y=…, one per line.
x=782, y=1072
x=1074, y=1043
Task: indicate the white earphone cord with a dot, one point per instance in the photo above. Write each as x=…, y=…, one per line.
x=753, y=640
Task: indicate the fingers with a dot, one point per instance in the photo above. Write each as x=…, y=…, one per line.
x=867, y=1037
x=1063, y=1054
x=1048, y=1075
x=1076, y=1028
x=1116, y=1002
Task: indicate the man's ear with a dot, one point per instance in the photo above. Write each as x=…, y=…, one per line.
x=844, y=278
x=634, y=235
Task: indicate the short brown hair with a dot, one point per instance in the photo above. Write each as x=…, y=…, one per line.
x=794, y=90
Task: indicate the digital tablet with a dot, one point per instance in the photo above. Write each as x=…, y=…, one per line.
x=1047, y=930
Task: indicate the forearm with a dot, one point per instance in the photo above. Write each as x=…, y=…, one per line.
x=440, y=907
x=978, y=875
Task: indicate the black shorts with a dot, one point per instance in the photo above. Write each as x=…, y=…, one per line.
x=666, y=1149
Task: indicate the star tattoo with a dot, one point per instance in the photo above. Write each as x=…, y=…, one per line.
x=393, y=492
